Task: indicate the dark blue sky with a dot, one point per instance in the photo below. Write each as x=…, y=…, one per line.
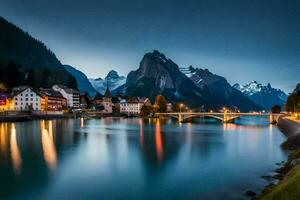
x=241, y=40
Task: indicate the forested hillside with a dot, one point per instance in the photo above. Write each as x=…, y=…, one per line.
x=27, y=61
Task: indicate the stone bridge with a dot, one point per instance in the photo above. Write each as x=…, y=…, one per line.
x=222, y=116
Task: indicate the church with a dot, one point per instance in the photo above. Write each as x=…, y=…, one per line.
x=103, y=103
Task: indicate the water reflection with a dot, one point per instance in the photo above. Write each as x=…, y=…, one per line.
x=48, y=144
x=141, y=133
x=229, y=127
x=158, y=141
x=4, y=144
x=134, y=159
x=81, y=122
x=15, y=152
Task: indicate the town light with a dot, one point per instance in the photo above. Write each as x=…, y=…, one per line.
x=180, y=107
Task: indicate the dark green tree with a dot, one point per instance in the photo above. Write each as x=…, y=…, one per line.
x=293, y=102
x=146, y=110
x=73, y=82
x=276, y=109
x=13, y=75
x=30, y=78
x=160, y=101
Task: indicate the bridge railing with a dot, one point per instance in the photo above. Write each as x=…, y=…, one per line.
x=223, y=116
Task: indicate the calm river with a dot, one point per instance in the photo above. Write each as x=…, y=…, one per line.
x=136, y=159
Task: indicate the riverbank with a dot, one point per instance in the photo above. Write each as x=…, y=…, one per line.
x=291, y=129
x=20, y=118
x=288, y=187
x=27, y=116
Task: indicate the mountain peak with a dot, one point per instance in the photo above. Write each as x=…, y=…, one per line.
x=113, y=80
x=112, y=75
x=160, y=75
x=297, y=89
x=263, y=95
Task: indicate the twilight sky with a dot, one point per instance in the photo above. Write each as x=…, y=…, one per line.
x=242, y=40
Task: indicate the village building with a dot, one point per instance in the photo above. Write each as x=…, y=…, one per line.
x=85, y=101
x=97, y=102
x=133, y=107
x=71, y=95
x=107, y=103
x=169, y=107
x=6, y=103
x=24, y=99
x=52, y=100
x=103, y=103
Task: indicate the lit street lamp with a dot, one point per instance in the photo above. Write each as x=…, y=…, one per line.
x=180, y=107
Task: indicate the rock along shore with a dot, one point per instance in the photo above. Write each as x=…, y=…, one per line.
x=289, y=174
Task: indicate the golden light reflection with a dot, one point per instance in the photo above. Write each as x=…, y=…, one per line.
x=15, y=152
x=271, y=133
x=141, y=133
x=229, y=127
x=81, y=122
x=158, y=141
x=3, y=138
x=48, y=145
x=189, y=129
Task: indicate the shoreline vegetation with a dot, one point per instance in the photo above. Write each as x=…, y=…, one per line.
x=288, y=187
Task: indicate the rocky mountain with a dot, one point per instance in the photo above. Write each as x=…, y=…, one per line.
x=297, y=89
x=83, y=83
x=219, y=87
x=113, y=80
x=159, y=75
x=27, y=61
x=263, y=95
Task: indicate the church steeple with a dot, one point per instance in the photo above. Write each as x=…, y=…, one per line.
x=107, y=92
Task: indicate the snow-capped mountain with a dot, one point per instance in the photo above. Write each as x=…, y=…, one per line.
x=188, y=71
x=113, y=80
x=158, y=74
x=264, y=95
x=219, y=88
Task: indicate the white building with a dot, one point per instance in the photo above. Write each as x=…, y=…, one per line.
x=72, y=96
x=24, y=98
x=133, y=107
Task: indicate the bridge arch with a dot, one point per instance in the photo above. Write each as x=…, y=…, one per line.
x=223, y=117
x=200, y=115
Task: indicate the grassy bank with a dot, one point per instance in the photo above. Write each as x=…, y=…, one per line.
x=289, y=175
x=289, y=186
